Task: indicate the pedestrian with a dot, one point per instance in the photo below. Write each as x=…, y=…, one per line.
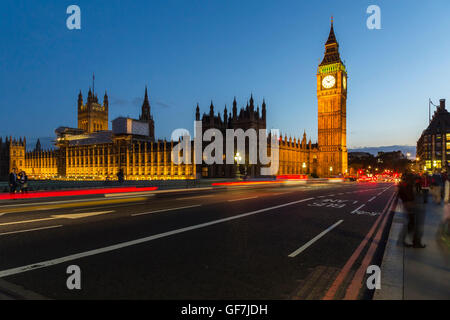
x=406, y=194
x=415, y=214
x=120, y=176
x=425, y=186
x=23, y=181
x=417, y=184
x=436, y=187
x=13, y=181
x=444, y=179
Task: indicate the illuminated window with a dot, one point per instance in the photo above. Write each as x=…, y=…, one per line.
x=448, y=145
x=428, y=164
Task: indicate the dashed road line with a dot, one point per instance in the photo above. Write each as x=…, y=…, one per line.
x=310, y=242
x=241, y=199
x=29, y=230
x=165, y=210
x=196, y=197
x=356, y=210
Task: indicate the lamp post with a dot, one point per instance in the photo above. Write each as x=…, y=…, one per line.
x=331, y=171
x=238, y=159
x=303, y=167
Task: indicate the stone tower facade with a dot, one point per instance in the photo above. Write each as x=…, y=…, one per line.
x=92, y=116
x=332, y=110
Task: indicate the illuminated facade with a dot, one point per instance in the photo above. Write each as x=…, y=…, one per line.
x=433, y=146
x=332, y=110
x=93, y=152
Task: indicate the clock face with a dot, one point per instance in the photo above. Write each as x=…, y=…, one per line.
x=344, y=82
x=328, y=82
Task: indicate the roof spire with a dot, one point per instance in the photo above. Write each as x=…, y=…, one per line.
x=331, y=36
x=331, y=48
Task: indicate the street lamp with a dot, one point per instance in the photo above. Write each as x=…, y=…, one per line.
x=303, y=167
x=331, y=170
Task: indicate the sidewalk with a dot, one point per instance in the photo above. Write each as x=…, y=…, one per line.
x=416, y=274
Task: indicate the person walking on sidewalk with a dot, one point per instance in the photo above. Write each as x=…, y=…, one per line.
x=414, y=227
x=425, y=186
x=418, y=179
x=406, y=194
x=436, y=187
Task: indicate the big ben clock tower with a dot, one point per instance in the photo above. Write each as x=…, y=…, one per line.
x=332, y=102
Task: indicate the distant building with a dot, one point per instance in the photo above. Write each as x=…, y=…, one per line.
x=433, y=146
x=356, y=156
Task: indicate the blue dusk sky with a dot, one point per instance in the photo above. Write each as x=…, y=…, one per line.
x=195, y=51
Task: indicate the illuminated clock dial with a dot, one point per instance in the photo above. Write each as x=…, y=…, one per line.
x=328, y=82
x=344, y=82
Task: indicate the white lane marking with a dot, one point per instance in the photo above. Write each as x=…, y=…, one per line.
x=373, y=198
x=25, y=221
x=48, y=263
x=384, y=190
x=58, y=202
x=80, y=215
x=196, y=197
x=29, y=230
x=310, y=242
x=356, y=210
x=242, y=199
x=164, y=210
x=54, y=217
x=49, y=202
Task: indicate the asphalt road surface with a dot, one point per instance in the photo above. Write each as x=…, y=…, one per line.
x=241, y=243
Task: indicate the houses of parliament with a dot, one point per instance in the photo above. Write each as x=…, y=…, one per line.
x=93, y=152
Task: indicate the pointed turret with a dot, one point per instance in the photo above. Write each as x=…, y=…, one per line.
x=234, y=108
x=38, y=145
x=147, y=116
x=80, y=100
x=225, y=115
x=145, y=109
x=197, y=113
x=105, y=100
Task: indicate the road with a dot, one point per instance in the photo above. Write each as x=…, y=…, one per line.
x=240, y=243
